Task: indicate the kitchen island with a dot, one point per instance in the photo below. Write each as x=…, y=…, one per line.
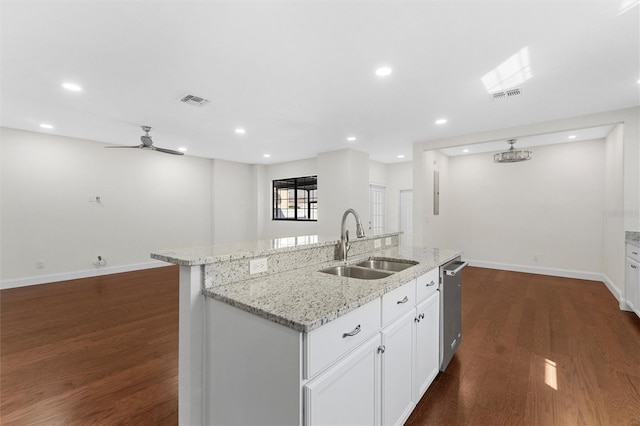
x=253, y=348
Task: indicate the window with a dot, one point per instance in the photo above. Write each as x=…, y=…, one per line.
x=296, y=199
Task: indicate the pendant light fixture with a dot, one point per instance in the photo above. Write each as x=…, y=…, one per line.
x=512, y=155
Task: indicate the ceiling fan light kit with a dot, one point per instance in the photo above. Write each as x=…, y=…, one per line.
x=147, y=143
x=512, y=155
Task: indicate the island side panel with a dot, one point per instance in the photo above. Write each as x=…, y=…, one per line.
x=254, y=369
x=191, y=346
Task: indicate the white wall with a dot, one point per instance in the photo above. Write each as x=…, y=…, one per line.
x=149, y=201
x=613, y=212
x=436, y=227
x=550, y=206
x=399, y=178
x=234, y=202
x=343, y=182
x=611, y=268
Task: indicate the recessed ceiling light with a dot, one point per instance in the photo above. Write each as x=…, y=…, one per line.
x=465, y=150
x=441, y=121
x=401, y=156
x=351, y=138
x=240, y=131
x=182, y=149
x=571, y=137
x=267, y=155
x=46, y=126
x=73, y=87
x=383, y=71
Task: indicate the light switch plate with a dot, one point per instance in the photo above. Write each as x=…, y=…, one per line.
x=387, y=241
x=377, y=244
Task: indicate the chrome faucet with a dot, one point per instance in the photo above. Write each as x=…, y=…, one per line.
x=344, y=246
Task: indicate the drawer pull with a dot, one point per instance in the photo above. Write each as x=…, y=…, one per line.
x=633, y=266
x=634, y=252
x=405, y=300
x=381, y=349
x=352, y=333
x=431, y=283
x=420, y=317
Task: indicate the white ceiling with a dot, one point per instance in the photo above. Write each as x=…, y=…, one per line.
x=299, y=75
x=531, y=141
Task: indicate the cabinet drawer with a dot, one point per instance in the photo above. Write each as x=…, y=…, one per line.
x=398, y=301
x=328, y=343
x=632, y=252
x=427, y=284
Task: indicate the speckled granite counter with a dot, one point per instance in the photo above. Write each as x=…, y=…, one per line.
x=632, y=237
x=304, y=298
x=248, y=249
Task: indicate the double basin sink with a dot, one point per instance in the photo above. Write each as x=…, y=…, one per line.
x=370, y=269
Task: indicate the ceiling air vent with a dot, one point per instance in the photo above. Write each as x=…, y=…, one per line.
x=194, y=100
x=507, y=94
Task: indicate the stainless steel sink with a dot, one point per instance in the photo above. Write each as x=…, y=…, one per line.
x=356, y=272
x=395, y=265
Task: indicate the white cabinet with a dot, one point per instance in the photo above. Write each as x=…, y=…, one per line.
x=633, y=279
x=426, y=341
x=397, y=374
x=348, y=393
x=368, y=367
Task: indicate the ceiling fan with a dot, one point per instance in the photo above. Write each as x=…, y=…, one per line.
x=147, y=143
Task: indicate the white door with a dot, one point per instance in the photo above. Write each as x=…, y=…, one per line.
x=349, y=392
x=376, y=209
x=427, y=341
x=406, y=217
x=397, y=392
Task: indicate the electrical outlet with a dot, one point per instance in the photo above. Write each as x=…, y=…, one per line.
x=387, y=241
x=257, y=266
x=377, y=244
x=40, y=264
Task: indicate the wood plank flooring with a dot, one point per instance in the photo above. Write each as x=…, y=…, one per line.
x=101, y=351
x=536, y=350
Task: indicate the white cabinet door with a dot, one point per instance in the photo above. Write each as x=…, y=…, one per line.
x=397, y=393
x=633, y=285
x=427, y=327
x=348, y=393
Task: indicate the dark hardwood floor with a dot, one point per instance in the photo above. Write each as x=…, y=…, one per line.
x=536, y=350
x=97, y=351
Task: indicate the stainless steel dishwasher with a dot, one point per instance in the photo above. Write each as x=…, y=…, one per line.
x=450, y=310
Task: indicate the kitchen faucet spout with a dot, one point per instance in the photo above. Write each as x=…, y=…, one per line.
x=344, y=246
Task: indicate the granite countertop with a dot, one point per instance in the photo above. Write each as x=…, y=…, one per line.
x=305, y=299
x=632, y=237
x=246, y=249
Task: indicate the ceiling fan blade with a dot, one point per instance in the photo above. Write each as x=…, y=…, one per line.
x=167, y=151
x=124, y=146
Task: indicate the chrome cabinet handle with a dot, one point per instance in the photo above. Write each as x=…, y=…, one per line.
x=381, y=349
x=431, y=283
x=405, y=300
x=417, y=319
x=633, y=266
x=420, y=317
x=352, y=333
x=634, y=252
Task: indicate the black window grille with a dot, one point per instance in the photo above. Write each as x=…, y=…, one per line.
x=296, y=199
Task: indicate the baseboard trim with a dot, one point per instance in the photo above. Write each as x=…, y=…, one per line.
x=87, y=273
x=555, y=272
